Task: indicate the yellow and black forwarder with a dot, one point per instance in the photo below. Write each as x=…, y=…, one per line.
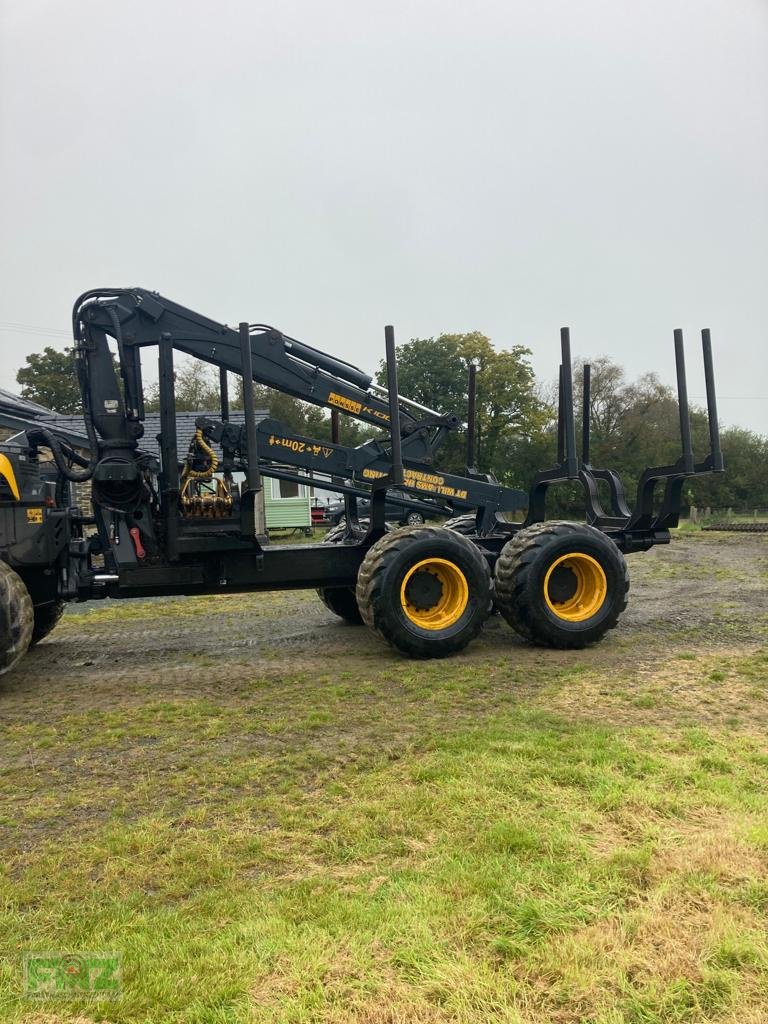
x=170, y=527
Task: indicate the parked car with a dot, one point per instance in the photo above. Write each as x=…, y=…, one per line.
x=393, y=512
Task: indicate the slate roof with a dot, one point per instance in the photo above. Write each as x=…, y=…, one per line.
x=14, y=405
x=185, y=426
x=16, y=412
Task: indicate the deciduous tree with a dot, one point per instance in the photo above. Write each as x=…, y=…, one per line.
x=510, y=412
x=49, y=378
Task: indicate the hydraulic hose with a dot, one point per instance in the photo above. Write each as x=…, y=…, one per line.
x=41, y=435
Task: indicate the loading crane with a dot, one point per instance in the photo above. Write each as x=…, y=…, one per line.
x=172, y=526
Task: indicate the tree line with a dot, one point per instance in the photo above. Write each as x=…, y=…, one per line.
x=634, y=423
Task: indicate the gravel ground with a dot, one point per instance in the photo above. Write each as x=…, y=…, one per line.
x=706, y=590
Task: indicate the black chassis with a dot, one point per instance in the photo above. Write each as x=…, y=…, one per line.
x=186, y=556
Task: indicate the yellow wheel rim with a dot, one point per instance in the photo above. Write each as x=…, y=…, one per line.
x=575, y=587
x=434, y=593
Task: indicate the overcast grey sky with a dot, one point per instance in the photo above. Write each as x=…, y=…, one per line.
x=445, y=166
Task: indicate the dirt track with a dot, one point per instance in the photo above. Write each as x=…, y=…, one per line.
x=705, y=591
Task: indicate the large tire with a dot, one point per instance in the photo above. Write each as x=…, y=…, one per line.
x=561, y=584
x=425, y=590
x=341, y=600
x=17, y=617
x=47, y=617
x=465, y=524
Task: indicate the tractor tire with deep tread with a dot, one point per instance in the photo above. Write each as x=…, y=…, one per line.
x=47, y=617
x=465, y=524
x=17, y=618
x=510, y=551
x=341, y=600
x=425, y=590
x=523, y=592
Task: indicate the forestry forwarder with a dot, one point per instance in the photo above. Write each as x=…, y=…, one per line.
x=171, y=528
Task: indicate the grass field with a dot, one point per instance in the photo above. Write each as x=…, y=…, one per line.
x=274, y=819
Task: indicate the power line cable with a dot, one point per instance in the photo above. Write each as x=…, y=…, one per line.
x=6, y=325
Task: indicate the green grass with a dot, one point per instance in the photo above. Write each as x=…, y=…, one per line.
x=290, y=536
x=687, y=526
x=426, y=843
x=254, y=605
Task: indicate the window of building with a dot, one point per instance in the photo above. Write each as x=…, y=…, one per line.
x=288, y=489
